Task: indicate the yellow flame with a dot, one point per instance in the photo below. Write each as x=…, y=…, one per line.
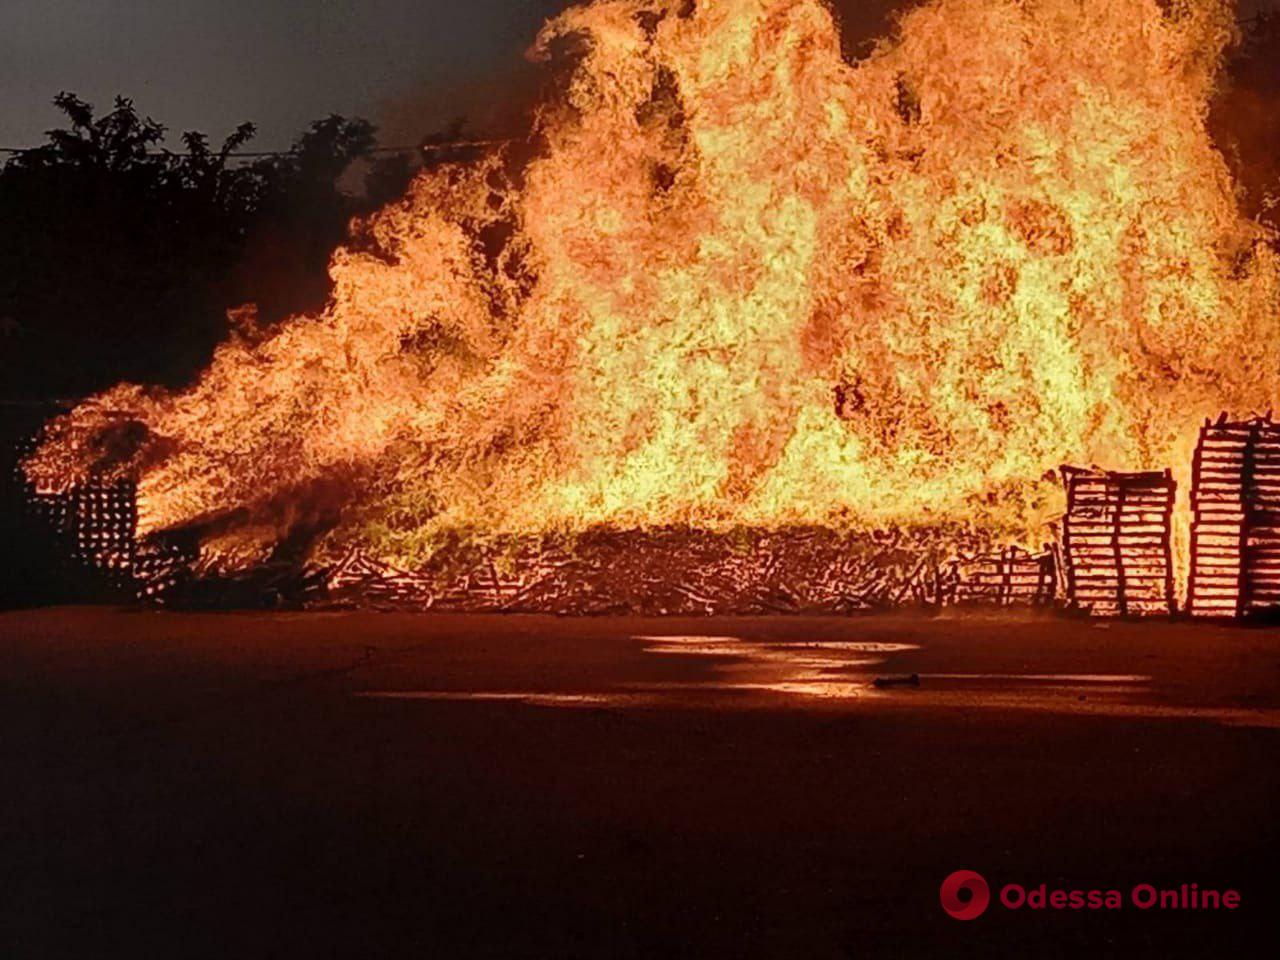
x=746, y=282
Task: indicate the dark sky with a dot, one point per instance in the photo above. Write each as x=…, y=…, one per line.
x=211, y=64
x=410, y=65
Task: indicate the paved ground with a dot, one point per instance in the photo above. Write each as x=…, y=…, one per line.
x=366, y=785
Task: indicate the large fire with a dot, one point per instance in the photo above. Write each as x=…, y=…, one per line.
x=745, y=282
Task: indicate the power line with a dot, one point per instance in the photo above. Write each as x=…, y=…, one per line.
x=262, y=154
x=436, y=147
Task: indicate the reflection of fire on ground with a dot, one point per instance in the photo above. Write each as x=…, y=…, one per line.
x=842, y=674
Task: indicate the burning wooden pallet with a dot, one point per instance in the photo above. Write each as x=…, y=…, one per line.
x=667, y=571
x=1012, y=577
x=676, y=571
x=1116, y=542
x=96, y=524
x=671, y=570
x=1235, y=531
x=361, y=579
x=700, y=572
x=664, y=571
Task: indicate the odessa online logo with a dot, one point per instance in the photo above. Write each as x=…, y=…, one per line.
x=965, y=895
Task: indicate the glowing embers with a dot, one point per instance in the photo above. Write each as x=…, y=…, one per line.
x=1235, y=533
x=1116, y=542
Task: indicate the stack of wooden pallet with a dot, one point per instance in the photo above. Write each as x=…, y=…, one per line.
x=1116, y=542
x=1012, y=577
x=95, y=525
x=1235, y=532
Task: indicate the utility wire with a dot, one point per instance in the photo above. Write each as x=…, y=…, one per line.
x=261, y=154
x=435, y=147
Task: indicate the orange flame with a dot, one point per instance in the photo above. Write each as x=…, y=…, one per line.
x=747, y=282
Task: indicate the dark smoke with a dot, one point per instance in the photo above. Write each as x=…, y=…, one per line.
x=1245, y=117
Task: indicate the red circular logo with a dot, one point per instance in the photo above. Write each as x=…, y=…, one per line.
x=965, y=895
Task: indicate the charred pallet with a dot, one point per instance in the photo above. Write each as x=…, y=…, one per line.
x=1116, y=542
x=1008, y=578
x=1235, y=530
x=94, y=527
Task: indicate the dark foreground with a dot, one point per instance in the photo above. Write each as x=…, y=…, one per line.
x=360, y=785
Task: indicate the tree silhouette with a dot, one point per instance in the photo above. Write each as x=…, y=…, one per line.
x=301, y=215
x=121, y=258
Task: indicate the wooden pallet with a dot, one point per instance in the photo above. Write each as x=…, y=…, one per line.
x=1235, y=530
x=1011, y=577
x=95, y=524
x=1116, y=542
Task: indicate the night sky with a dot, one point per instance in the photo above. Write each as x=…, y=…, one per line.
x=409, y=65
